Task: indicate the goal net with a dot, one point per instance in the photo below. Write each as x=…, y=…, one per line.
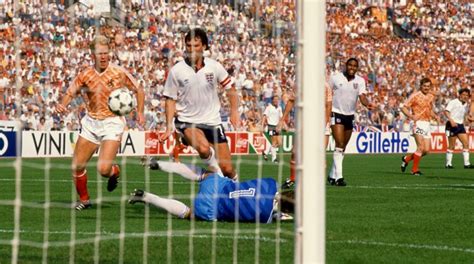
x=269, y=48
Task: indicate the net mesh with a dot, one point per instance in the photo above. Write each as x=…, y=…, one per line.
x=254, y=40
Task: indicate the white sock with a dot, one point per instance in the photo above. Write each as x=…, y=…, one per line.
x=274, y=153
x=465, y=155
x=332, y=173
x=268, y=149
x=172, y=206
x=211, y=161
x=449, y=158
x=188, y=171
x=338, y=156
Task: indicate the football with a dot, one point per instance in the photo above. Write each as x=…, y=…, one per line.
x=121, y=102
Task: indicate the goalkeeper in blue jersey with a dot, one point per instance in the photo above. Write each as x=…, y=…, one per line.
x=221, y=199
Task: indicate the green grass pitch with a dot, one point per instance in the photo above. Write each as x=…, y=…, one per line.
x=382, y=216
x=170, y=240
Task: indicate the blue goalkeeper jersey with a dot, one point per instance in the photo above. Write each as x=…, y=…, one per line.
x=220, y=198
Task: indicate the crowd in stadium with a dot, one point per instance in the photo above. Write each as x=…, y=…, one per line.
x=256, y=44
x=434, y=40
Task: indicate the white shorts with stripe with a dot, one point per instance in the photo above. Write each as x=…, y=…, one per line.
x=96, y=130
x=422, y=128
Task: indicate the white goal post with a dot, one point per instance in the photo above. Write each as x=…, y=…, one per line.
x=310, y=161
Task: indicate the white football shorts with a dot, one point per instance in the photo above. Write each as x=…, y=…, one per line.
x=422, y=128
x=96, y=130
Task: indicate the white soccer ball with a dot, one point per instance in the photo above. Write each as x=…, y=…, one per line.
x=121, y=102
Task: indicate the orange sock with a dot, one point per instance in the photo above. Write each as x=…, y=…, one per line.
x=409, y=158
x=80, y=180
x=176, y=151
x=115, y=171
x=416, y=161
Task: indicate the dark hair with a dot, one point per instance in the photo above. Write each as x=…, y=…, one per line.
x=425, y=80
x=352, y=59
x=197, y=33
x=287, y=201
x=464, y=90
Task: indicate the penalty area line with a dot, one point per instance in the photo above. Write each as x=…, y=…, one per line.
x=401, y=245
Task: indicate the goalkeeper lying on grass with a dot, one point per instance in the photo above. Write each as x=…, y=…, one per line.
x=219, y=198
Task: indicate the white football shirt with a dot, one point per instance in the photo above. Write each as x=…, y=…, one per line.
x=457, y=110
x=196, y=93
x=345, y=93
x=273, y=114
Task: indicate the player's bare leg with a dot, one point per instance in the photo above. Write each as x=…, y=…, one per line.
x=178, y=147
x=105, y=165
x=196, y=139
x=423, y=145
x=341, y=138
x=275, y=147
x=449, y=152
x=465, y=150
x=83, y=152
x=225, y=160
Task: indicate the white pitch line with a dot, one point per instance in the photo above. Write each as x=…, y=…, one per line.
x=105, y=235
x=414, y=246
x=450, y=187
x=93, y=181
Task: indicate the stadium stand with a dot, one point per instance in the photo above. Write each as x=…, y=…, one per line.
x=396, y=42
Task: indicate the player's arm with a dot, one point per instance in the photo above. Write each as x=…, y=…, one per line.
x=362, y=95
x=234, y=106
x=170, y=110
x=435, y=116
x=170, y=91
x=289, y=105
x=448, y=116
x=71, y=92
x=133, y=85
x=264, y=120
x=225, y=80
x=470, y=117
x=365, y=102
x=141, y=106
x=407, y=113
x=328, y=108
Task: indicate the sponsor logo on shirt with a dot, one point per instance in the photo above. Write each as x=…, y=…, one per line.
x=355, y=85
x=242, y=193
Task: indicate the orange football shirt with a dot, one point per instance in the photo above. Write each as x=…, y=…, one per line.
x=98, y=87
x=421, y=105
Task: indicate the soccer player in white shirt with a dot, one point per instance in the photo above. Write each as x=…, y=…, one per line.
x=347, y=87
x=271, y=118
x=455, y=112
x=191, y=91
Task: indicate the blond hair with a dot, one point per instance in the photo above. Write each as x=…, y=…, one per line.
x=99, y=40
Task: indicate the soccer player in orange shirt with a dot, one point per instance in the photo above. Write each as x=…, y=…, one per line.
x=100, y=127
x=419, y=108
